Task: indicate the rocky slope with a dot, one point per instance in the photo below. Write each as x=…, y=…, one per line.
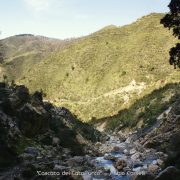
x=150, y=153
x=33, y=133
x=38, y=140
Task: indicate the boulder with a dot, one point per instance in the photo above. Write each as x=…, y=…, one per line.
x=98, y=144
x=116, y=149
x=33, y=120
x=120, y=164
x=126, y=152
x=55, y=141
x=153, y=168
x=132, y=151
x=160, y=162
x=136, y=156
x=23, y=93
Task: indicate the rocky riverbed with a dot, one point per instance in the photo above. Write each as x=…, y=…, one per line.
x=126, y=160
x=40, y=141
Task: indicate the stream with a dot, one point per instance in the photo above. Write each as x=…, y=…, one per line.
x=124, y=160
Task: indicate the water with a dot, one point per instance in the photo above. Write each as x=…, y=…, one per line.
x=106, y=166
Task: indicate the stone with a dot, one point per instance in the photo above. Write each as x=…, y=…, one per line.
x=116, y=149
x=33, y=120
x=132, y=151
x=126, y=152
x=60, y=168
x=55, y=141
x=155, y=162
x=121, y=136
x=22, y=92
x=160, y=162
x=135, y=156
x=98, y=144
x=26, y=157
x=32, y=150
x=120, y=164
x=76, y=161
x=153, y=168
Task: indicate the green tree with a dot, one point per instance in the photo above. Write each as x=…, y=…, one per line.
x=1, y=52
x=172, y=21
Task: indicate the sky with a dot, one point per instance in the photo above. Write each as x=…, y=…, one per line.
x=71, y=18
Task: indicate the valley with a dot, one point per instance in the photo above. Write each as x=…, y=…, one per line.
x=87, y=74
x=103, y=106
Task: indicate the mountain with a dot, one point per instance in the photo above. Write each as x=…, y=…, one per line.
x=107, y=71
x=22, y=52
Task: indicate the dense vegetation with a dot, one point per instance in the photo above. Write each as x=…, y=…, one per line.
x=107, y=71
x=172, y=21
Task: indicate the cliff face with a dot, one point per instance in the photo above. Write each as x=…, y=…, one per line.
x=167, y=137
x=31, y=128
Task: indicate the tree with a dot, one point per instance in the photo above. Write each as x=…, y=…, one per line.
x=172, y=21
x=1, y=52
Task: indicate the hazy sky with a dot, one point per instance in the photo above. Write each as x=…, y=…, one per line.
x=71, y=18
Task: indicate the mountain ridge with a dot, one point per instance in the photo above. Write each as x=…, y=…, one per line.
x=104, y=62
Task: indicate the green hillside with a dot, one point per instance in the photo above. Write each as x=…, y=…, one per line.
x=22, y=52
x=108, y=70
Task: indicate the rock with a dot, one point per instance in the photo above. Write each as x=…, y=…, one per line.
x=170, y=173
x=25, y=121
x=148, y=150
x=132, y=151
x=87, y=177
x=120, y=164
x=2, y=84
x=116, y=149
x=110, y=157
x=159, y=154
x=121, y=136
x=38, y=96
x=76, y=161
x=26, y=157
x=23, y=93
x=60, y=168
x=55, y=141
x=153, y=168
x=9, y=139
x=98, y=144
x=128, y=140
x=32, y=150
x=136, y=156
x=154, y=162
x=33, y=120
x=126, y=152
x=160, y=162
